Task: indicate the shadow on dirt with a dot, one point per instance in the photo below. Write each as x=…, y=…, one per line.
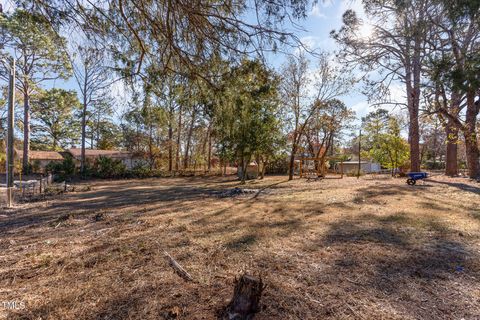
x=459, y=185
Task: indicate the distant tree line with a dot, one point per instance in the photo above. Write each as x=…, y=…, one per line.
x=199, y=93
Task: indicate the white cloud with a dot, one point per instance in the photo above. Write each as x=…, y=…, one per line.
x=361, y=108
x=316, y=12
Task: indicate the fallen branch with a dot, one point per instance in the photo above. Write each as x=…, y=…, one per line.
x=358, y=316
x=177, y=267
x=354, y=282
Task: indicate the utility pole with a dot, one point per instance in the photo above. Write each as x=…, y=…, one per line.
x=10, y=134
x=359, y=153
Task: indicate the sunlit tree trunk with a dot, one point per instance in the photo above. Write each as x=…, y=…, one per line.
x=170, y=140
x=209, y=159
x=264, y=166
x=291, y=166
x=204, y=146
x=179, y=136
x=412, y=77
x=26, y=130
x=189, y=138
x=84, y=125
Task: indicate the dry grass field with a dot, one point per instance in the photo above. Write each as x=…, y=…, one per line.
x=373, y=248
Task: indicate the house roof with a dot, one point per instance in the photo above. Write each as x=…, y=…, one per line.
x=41, y=155
x=94, y=153
x=356, y=162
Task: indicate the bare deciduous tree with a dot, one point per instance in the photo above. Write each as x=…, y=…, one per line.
x=91, y=76
x=306, y=91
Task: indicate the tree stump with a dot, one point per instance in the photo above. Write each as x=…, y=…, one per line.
x=246, y=299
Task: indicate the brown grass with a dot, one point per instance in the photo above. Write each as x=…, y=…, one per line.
x=331, y=249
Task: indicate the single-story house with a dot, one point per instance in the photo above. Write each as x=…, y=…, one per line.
x=129, y=159
x=40, y=159
x=365, y=166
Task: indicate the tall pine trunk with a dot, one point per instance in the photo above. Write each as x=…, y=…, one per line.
x=26, y=130
x=244, y=165
x=209, y=158
x=414, y=139
x=179, y=135
x=471, y=149
x=84, y=124
x=451, y=165
x=414, y=128
x=470, y=134
x=189, y=139
x=150, y=146
x=291, y=165
x=204, y=145
x=170, y=139
x=412, y=83
x=264, y=166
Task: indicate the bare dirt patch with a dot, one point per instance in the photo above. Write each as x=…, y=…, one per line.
x=371, y=248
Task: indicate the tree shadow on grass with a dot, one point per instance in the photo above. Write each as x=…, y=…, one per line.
x=438, y=259
x=427, y=233
x=383, y=190
x=350, y=232
x=242, y=242
x=422, y=264
x=432, y=205
x=459, y=185
x=475, y=215
x=111, y=199
x=270, y=186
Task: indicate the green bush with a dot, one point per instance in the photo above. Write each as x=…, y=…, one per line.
x=144, y=171
x=35, y=166
x=140, y=171
x=64, y=170
x=109, y=168
x=88, y=171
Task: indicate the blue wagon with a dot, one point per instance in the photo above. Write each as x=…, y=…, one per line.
x=414, y=176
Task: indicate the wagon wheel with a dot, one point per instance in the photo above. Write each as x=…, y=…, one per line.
x=411, y=182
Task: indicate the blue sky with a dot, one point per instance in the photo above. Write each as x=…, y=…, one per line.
x=322, y=17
